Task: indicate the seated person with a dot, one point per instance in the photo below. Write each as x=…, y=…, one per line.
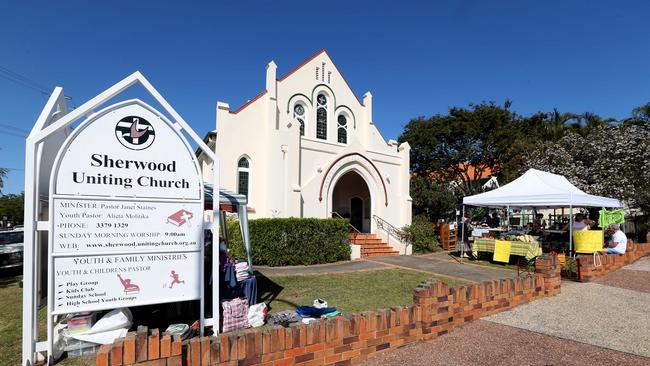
x=536, y=230
x=618, y=243
x=493, y=221
x=579, y=223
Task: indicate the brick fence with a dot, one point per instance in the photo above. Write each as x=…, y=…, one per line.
x=586, y=270
x=351, y=339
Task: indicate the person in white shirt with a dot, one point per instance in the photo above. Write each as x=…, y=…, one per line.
x=579, y=223
x=618, y=243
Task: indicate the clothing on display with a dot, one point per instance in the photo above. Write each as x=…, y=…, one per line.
x=284, y=318
x=312, y=312
x=241, y=269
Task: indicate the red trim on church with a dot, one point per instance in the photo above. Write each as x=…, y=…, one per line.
x=258, y=96
x=302, y=64
x=293, y=71
x=322, y=183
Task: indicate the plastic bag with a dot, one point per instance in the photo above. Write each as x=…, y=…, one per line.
x=257, y=315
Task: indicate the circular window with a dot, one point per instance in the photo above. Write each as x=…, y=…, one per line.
x=342, y=120
x=299, y=109
x=322, y=100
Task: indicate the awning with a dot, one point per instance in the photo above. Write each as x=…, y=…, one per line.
x=537, y=188
x=225, y=197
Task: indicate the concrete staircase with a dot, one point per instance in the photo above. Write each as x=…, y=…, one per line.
x=372, y=246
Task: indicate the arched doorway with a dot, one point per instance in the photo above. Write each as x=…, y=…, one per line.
x=351, y=199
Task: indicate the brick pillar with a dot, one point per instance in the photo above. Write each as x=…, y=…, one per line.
x=548, y=266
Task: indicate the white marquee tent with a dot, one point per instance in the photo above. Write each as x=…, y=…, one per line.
x=537, y=189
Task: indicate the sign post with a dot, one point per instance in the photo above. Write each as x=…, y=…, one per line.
x=125, y=212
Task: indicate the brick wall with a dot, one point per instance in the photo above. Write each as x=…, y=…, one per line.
x=436, y=309
x=610, y=262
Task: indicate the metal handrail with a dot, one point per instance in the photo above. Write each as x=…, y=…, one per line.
x=397, y=233
x=365, y=237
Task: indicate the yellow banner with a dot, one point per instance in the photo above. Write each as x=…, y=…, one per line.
x=502, y=251
x=588, y=241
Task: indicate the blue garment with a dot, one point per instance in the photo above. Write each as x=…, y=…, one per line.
x=230, y=276
x=613, y=251
x=312, y=312
x=249, y=289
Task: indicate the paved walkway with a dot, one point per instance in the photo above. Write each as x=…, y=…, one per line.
x=484, y=343
x=600, y=314
x=605, y=322
x=436, y=263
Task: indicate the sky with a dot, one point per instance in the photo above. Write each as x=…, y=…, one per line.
x=417, y=58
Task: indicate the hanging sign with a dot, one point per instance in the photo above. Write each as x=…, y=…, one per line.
x=127, y=211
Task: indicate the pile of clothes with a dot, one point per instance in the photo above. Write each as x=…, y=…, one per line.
x=241, y=270
x=304, y=314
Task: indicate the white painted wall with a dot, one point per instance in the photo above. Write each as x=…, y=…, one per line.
x=287, y=170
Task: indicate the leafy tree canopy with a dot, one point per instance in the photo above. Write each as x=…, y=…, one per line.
x=12, y=206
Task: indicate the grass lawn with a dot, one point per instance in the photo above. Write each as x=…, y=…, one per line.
x=348, y=292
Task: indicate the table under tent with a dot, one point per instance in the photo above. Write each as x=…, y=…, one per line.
x=537, y=189
x=247, y=287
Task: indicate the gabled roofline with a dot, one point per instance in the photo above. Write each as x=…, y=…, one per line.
x=258, y=96
x=322, y=50
x=285, y=76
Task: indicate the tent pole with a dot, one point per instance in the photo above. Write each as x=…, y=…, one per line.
x=570, y=229
x=243, y=225
x=462, y=235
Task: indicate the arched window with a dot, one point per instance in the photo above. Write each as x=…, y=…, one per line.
x=300, y=116
x=243, y=176
x=321, y=117
x=342, y=129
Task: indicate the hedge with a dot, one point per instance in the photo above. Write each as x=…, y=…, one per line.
x=292, y=241
x=423, y=235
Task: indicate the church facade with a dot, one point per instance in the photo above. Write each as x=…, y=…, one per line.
x=306, y=146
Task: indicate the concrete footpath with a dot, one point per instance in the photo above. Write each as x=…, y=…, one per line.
x=607, y=314
x=604, y=322
x=440, y=263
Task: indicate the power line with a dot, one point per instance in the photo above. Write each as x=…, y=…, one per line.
x=12, y=134
x=22, y=80
x=3, y=125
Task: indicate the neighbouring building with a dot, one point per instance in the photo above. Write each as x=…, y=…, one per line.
x=306, y=146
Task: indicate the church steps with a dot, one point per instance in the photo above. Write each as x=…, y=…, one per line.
x=372, y=246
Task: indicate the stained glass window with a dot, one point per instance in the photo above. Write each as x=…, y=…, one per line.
x=342, y=129
x=321, y=117
x=243, y=181
x=299, y=115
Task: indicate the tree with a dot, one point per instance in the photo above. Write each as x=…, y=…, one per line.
x=464, y=146
x=435, y=200
x=608, y=160
x=12, y=207
x=3, y=175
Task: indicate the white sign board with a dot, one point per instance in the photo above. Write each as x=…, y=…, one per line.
x=112, y=281
x=86, y=226
x=127, y=213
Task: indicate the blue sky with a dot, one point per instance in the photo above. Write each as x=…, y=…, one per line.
x=417, y=58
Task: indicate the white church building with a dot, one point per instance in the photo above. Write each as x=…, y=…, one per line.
x=306, y=146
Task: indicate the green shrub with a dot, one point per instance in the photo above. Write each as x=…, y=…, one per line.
x=423, y=235
x=292, y=241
